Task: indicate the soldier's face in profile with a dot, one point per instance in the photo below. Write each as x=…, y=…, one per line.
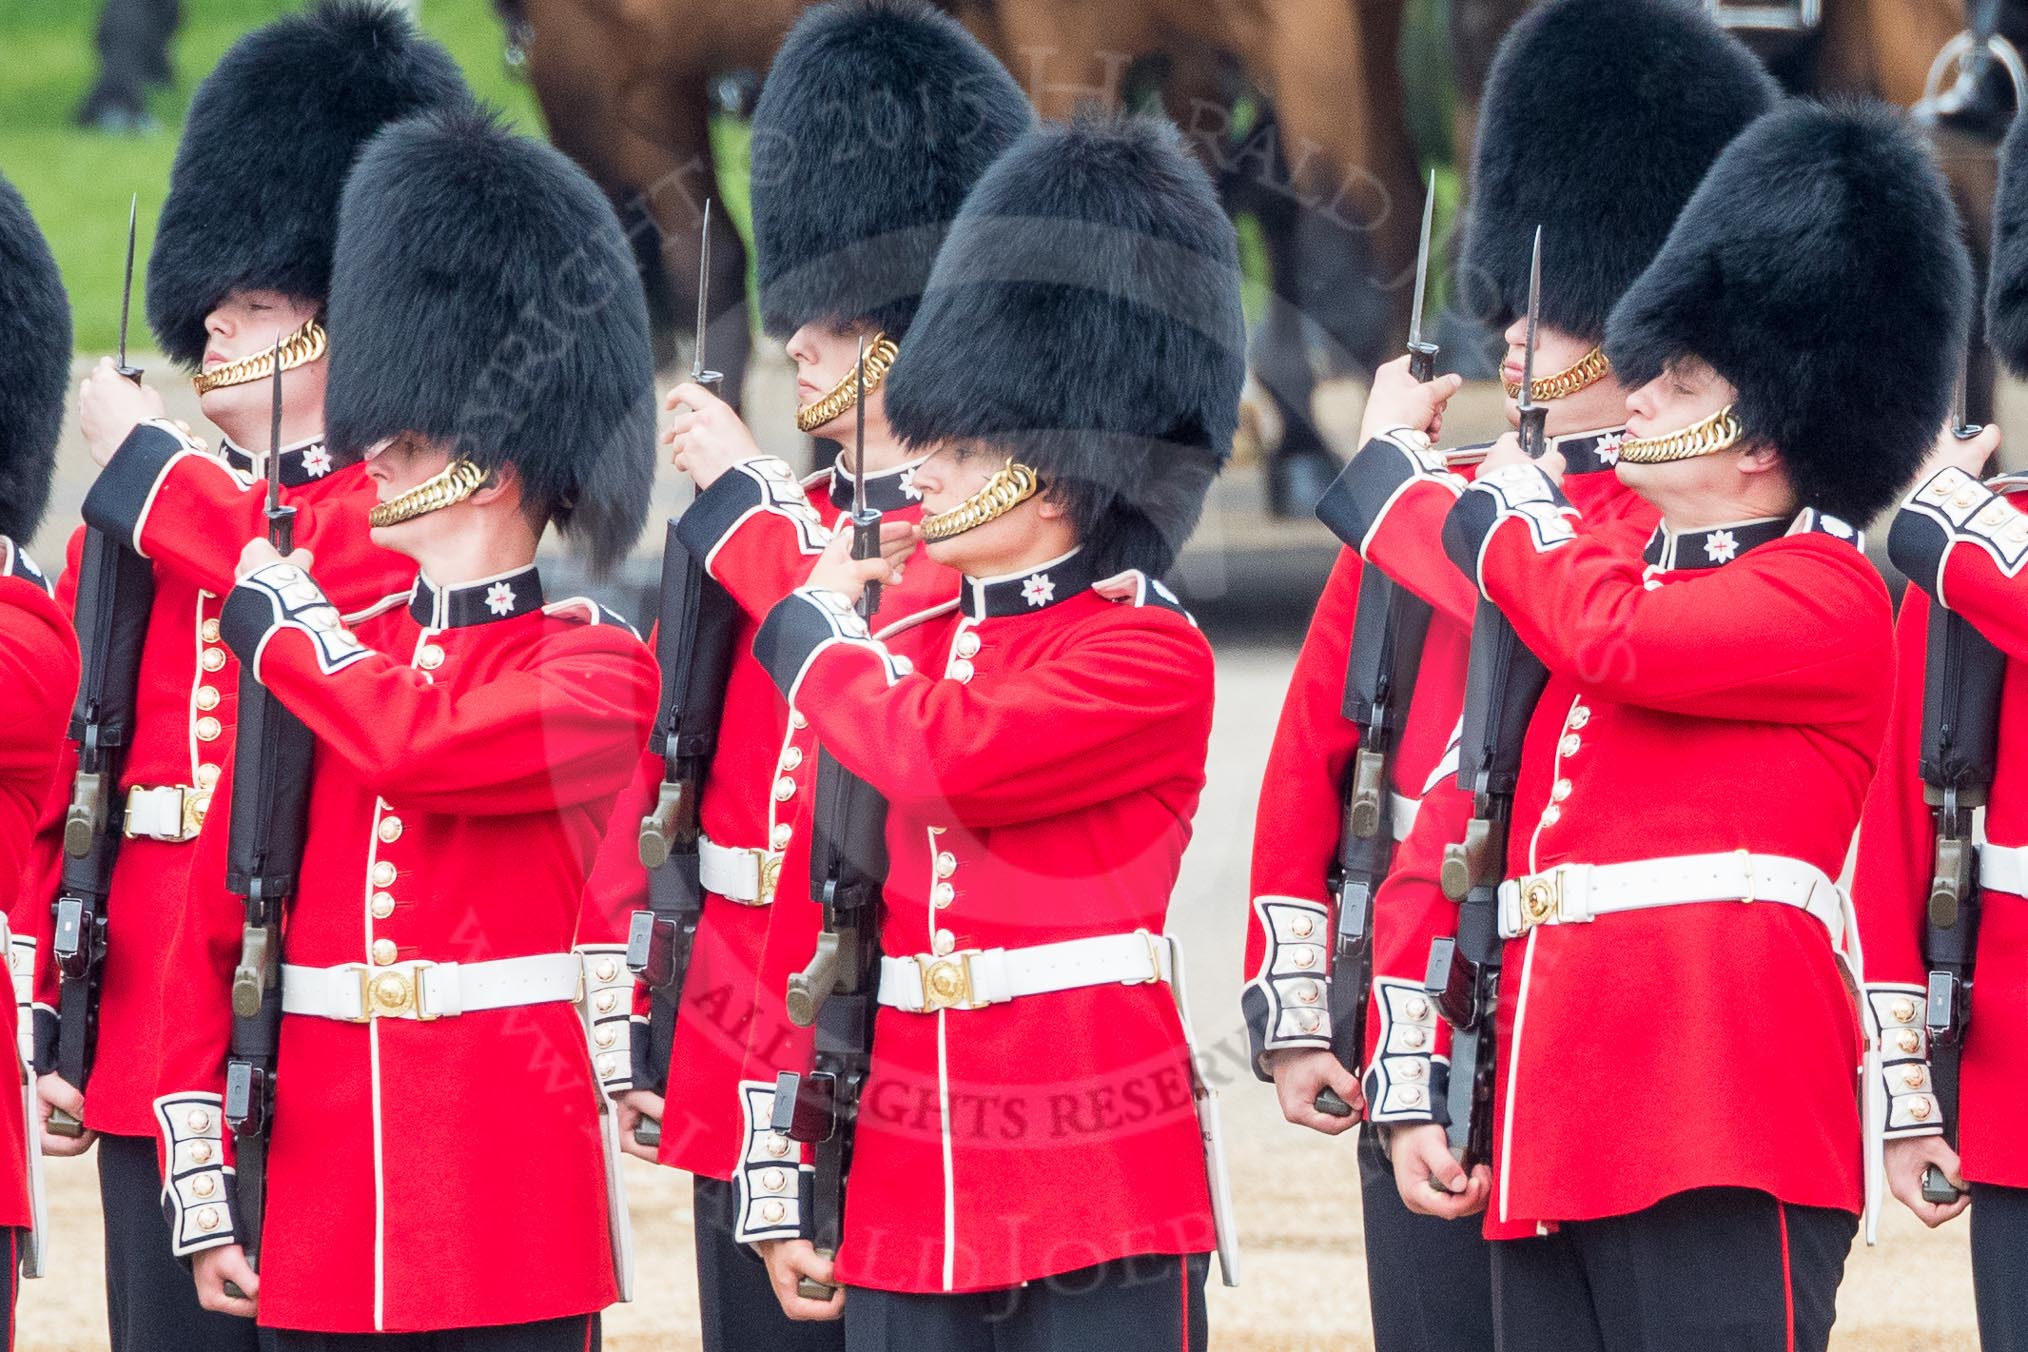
x=953, y=473
x=1686, y=393
x=824, y=354
x=395, y=466
x=1599, y=404
x=246, y=323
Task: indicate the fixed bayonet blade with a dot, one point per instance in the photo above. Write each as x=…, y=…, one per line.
x=127, y=287
x=1961, y=423
x=1422, y=266
x=274, y=464
x=859, y=431
x=697, y=371
x=1534, y=318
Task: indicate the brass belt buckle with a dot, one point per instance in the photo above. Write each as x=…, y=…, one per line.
x=1541, y=899
x=767, y=876
x=946, y=981
x=394, y=992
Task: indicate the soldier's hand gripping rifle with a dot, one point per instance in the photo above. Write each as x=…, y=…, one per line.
x=1388, y=626
x=1960, y=749
x=1503, y=682
x=694, y=648
x=115, y=592
x=848, y=866
x=264, y=859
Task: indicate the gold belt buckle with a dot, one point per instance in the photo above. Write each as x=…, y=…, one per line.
x=947, y=981
x=393, y=992
x=1541, y=899
x=767, y=876
x=196, y=803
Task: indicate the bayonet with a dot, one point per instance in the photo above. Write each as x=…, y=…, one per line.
x=698, y=372
x=1422, y=356
x=1534, y=417
x=865, y=520
x=281, y=520
x=132, y=373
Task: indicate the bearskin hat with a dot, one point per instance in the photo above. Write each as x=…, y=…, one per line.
x=1085, y=318
x=2007, y=288
x=34, y=366
x=875, y=120
x=1820, y=270
x=253, y=193
x=1600, y=118
x=490, y=302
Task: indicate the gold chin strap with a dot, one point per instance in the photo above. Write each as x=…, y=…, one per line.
x=1010, y=486
x=1591, y=368
x=880, y=354
x=300, y=348
x=1707, y=437
x=445, y=489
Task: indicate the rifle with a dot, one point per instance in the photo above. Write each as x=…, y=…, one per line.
x=264, y=859
x=115, y=594
x=1388, y=626
x=1960, y=750
x=835, y=992
x=694, y=648
x=1503, y=682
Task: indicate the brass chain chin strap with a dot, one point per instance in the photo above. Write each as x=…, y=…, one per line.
x=1010, y=486
x=300, y=348
x=444, y=489
x=1707, y=437
x=1589, y=369
x=880, y=354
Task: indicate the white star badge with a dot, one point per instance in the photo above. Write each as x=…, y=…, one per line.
x=500, y=598
x=1609, y=447
x=908, y=488
x=1833, y=526
x=1720, y=547
x=1038, y=589
x=317, y=462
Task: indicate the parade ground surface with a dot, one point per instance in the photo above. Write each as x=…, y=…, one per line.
x=1253, y=584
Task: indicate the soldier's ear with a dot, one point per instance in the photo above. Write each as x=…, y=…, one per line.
x=1759, y=457
x=502, y=482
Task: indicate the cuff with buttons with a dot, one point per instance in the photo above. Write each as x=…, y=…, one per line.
x=771, y=1182
x=1288, y=1000
x=196, y=1185
x=1912, y=1106
x=607, y=1004
x=1406, y=1081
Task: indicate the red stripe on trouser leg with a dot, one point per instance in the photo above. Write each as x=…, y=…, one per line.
x=588, y=1325
x=1183, y=1271
x=1788, y=1282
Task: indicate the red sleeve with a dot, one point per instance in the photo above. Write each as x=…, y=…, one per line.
x=1772, y=637
x=1106, y=718
x=755, y=532
x=1290, y=912
x=1965, y=545
x=1407, y=1044
x=1390, y=505
x=563, y=731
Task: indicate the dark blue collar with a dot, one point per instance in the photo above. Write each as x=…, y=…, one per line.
x=890, y=490
x=1022, y=593
x=481, y=602
x=1675, y=550
x=304, y=463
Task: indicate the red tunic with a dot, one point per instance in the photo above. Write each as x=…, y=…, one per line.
x=1962, y=544
x=1726, y=692
x=469, y=745
x=758, y=532
x=190, y=513
x=39, y=672
x=1041, y=777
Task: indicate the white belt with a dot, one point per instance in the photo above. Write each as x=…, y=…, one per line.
x=2004, y=868
x=1574, y=893
x=976, y=977
x=357, y=993
x=1401, y=810
x=171, y=814
x=747, y=876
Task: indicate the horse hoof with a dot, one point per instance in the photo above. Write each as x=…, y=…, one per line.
x=1297, y=480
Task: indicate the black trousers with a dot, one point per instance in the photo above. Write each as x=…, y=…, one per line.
x=1711, y=1270
x=1430, y=1281
x=736, y=1303
x=2000, y=1266
x=1148, y=1304
x=151, y=1302
x=578, y=1333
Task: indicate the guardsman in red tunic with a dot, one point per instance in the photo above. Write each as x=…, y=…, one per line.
x=470, y=740
x=1676, y=1128
x=1961, y=543
x=242, y=256
x=38, y=678
x=1029, y=1169
x=1605, y=213
x=843, y=248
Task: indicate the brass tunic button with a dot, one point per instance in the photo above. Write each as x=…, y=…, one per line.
x=947, y=864
x=430, y=658
x=382, y=906
x=1579, y=716
x=1413, y=1038
x=207, y=776
x=207, y=1219
x=1307, y=1020
x=960, y=671
x=1920, y=1110
x=1912, y=1077
x=1569, y=745
x=383, y=873
x=1561, y=790
x=780, y=837
x=785, y=789
x=384, y=951
x=773, y=1212
x=943, y=896
x=208, y=729
x=797, y=721
x=210, y=631
x=792, y=758
x=200, y=1153
x=389, y=830
x=207, y=697
x=777, y=1145
x=606, y=1002
x=1307, y=992
x=605, y=1067
x=1411, y=1096
x=606, y=1035
x=1909, y=1042
x=199, y=1120
x=773, y=1180
x=1305, y=957
x=1417, y=1008
x=1302, y=927
x=213, y=659
x=968, y=644
x=1551, y=815
x=1940, y=489
x=944, y=942
x=203, y=1186
x=607, y=970
x=1903, y=1011
x=1412, y=1069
